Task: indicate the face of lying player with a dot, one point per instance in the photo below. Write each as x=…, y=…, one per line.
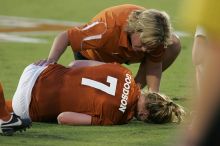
x=142, y=112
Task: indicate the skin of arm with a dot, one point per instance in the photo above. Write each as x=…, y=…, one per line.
x=149, y=72
x=198, y=49
x=73, y=118
x=198, y=56
x=60, y=44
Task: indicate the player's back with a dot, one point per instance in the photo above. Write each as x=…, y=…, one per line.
x=107, y=92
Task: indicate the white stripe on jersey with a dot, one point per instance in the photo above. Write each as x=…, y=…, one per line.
x=91, y=25
x=93, y=37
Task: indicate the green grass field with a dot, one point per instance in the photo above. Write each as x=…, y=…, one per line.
x=14, y=57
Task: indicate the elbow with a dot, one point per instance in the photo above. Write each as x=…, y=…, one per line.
x=176, y=44
x=61, y=119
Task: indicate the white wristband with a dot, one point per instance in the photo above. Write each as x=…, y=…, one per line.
x=200, y=31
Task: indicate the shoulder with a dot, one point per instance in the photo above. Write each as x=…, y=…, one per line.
x=123, y=10
x=119, y=11
x=126, y=7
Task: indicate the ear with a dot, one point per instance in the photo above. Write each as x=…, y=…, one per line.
x=143, y=115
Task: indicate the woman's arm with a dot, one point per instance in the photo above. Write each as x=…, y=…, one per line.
x=149, y=73
x=73, y=118
x=199, y=46
x=153, y=75
x=60, y=44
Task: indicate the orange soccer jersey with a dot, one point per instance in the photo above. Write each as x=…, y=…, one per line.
x=104, y=38
x=106, y=92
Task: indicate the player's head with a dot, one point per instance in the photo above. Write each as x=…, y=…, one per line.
x=153, y=27
x=161, y=109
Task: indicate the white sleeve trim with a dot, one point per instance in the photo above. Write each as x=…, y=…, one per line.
x=200, y=31
x=95, y=37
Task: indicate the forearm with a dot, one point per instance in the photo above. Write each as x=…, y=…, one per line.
x=73, y=118
x=153, y=77
x=140, y=77
x=149, y=73
x=59, y=46
x=153, y=81
x=198, y=50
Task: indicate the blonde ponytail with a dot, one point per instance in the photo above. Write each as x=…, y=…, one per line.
x=162, y=109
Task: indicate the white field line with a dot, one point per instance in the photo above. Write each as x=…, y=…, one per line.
x=20, y=39
x=22, y=22
x=13, y=21
x=24, y=37
x=34, y=33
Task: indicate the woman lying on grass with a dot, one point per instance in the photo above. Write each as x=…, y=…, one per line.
x=87, y=93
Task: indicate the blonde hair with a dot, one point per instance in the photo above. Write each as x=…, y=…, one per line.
x=154, y=27
x=162, y=109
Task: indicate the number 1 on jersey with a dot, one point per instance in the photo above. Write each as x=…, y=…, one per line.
x=107, y=89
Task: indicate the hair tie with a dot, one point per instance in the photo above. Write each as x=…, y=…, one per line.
x=170, y=104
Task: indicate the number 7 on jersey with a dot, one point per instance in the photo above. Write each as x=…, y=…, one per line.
x=105, y=88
